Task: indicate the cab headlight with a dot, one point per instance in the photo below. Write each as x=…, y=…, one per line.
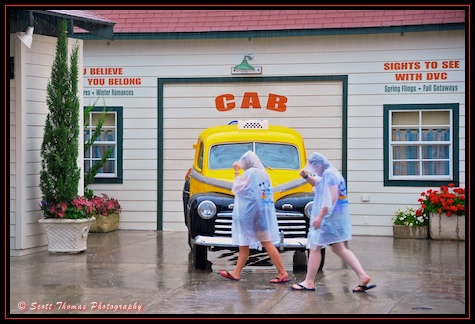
x=308, y=209
x=206, y=209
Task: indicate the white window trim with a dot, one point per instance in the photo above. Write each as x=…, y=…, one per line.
x=419, y=143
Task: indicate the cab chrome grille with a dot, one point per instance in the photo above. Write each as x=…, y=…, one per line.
x=292, y=224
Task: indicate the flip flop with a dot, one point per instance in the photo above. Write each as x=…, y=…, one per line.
x=361, y=288
x=302, y=287
x=279, y=280
x=227, y=275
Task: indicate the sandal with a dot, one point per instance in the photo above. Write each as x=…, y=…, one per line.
x=302, y=287
x=362, y=288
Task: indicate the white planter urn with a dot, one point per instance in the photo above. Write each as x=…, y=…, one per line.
x=66, y=235
x=443, y=227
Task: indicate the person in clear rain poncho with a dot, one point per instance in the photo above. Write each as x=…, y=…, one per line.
x=330, y=223
x=254, y=223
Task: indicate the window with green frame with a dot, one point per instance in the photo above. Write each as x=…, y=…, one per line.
x=421, y=144
x=111, y=136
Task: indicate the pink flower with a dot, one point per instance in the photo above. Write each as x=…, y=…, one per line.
x=106, y=205
x=80, y=207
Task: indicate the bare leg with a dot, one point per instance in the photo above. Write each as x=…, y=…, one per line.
x=314, y=259
x=276, y=258
x=243, y=256
x=350, y=259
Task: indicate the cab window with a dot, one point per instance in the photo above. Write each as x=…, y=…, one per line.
x=223, y=156
x=278, y=156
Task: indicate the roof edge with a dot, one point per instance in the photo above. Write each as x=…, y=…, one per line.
x=279, y=33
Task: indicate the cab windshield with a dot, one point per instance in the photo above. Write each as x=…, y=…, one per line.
x=273, y=156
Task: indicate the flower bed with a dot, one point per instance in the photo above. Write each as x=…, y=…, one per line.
x=410, y=218
x=79, y=208
x=446, y=210
x=106, y=205
x=107, y=214
x=448, y=200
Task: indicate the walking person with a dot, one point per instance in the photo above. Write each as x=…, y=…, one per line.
x=330, y=223
x=254, y=223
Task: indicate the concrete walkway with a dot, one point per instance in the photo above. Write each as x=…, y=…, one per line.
x=147, y=274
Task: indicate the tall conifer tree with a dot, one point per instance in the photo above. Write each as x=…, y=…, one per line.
x=60, y=173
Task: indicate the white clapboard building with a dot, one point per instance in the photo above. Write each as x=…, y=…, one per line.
x=380, y=92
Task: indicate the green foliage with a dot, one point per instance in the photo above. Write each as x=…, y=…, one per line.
x=60, y=173
x=409, y=217
x=448, y=200
x=106, y=205
x=79, y=207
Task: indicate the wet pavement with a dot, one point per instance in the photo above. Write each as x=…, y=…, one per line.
x=148, y=274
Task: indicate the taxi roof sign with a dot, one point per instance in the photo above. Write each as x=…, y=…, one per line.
x=253, y=124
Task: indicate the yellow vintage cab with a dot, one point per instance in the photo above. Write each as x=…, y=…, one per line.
x=207, y=197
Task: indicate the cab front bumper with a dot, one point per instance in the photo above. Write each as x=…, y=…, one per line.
x=226, y=242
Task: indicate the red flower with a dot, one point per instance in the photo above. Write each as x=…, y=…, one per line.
x=448, y=200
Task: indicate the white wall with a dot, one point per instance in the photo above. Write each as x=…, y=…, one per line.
x=189, y=108
x=28, y=112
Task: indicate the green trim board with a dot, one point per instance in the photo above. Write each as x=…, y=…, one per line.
x=455, y=149
x=119, y=140
x=276, y=33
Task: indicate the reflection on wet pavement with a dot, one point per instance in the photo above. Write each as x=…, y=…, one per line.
x=148, y=273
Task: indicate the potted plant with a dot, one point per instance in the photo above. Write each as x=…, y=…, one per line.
x=67, y=216
x=107, y=214
x=445, y=208
x=80, y=207
x=409, y=223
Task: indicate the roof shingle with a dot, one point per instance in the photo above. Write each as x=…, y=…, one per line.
x=160, y=21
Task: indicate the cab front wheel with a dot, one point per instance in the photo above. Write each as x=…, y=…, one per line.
x=200, y=257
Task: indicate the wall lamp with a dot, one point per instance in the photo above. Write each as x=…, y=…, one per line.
x=27, y=37
x=244, y=64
